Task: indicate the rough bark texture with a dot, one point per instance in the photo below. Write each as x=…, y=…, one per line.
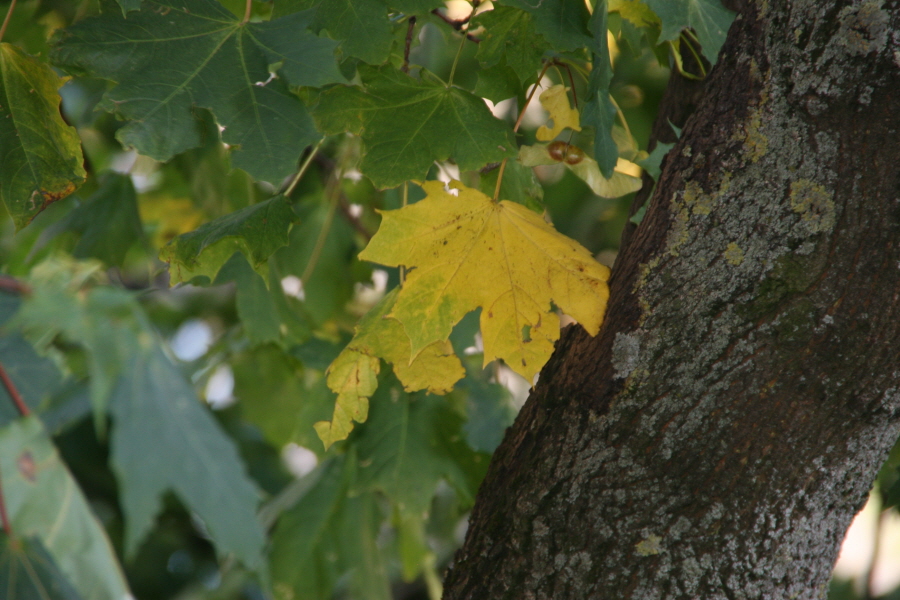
x=718, y=435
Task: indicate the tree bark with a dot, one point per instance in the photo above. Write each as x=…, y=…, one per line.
x=718, y=435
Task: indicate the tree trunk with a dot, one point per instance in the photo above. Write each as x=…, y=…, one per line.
x=718, y=435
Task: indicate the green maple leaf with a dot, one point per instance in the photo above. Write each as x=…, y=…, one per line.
x=28, y=572
x=406, y=124
x=510, y=37
x=257, y=231
x=108, y=221
x=43, y=501
x=332, y=529
x=159, y=420
x=175, y=55
x=409, y=444
x=362, y=26
x=562, y=22
x=708, y=18
x=40, y=156
x=599, y=111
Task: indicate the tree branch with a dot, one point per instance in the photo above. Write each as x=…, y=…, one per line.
x=14, y=393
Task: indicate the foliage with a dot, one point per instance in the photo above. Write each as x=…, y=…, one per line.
x=326, y=189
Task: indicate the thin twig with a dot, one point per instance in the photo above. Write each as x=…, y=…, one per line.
x=344, y=205
x=11, y=284
x=14, y=393
x=247, y=11
x=331, y=193
x=303, y=169
x=571, y=81
x=9, y=13
x=7, y=527
x=519, y=123
x=409, y=36
x=405, y=202
x=457, y=25
x=530, y=96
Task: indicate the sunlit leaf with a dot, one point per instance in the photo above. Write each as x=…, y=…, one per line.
x=40, y=156
x=555, y=101
x=43, y=501
x=353, y=374
x=173, y=56
x=635, y=11
x=466, y=252
x=626, y=177
x=406, y=124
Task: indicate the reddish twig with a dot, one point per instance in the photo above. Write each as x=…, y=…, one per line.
x=9, y=13
x=409, y=37
x=457, y=25
x=344, y=205
x=7, y=527
x=11, y=284
x=14, y=393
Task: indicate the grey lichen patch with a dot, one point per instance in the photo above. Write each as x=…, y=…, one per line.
x=756, y=144
x=733, y=254
x=814, y=204
x=625, y=353
x=649, y=546
x=864, y=28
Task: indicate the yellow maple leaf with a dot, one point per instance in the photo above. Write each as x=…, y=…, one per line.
x=466, y=252
x=556, y=102
x=353, y=375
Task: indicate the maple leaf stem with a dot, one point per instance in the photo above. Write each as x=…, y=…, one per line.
x=456, y=61
x=14, y=393
x=621, y=115
x=404, y=201
x=247, y=11
x=518, y=124
x=534, y=88
x=303, y=168
x=499, y=180
x=9, y=13
x=331, y=192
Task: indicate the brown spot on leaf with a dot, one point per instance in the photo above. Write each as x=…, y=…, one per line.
x=26, y=465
